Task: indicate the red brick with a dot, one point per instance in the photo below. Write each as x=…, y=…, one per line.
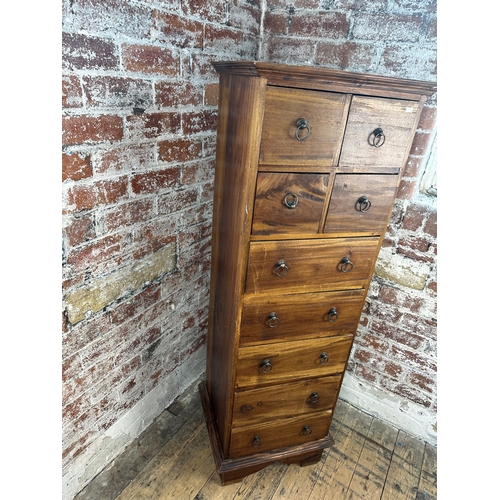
x=430, y=226
x=411, y=358
x=425, y=327
x=200, y=66
x=71, y=92
x=88, y=52
x=396, y=334
x=105, y=192
x=177, y=200
x=202, y=121
x=415, y=243
x=366, y=373
x=421, y=143
x=211, y=94
x=201, y=171
x=400, y=299
x=399, y=59
x=135, y=305
x=91, y=129
x=174, y=94
x=432, y=286
x=113, y=17
x=221, y=38
x=75, y=168
x=408, y=392
x=413, y=167
x=124, y=158
x=179, y=150
x=415, y=255
x=276, y=23
x=402, y=28
x=425, y=383
x=151, y=182
x=245, y=16
x=97, y=251
x=150, y=59
x=178, y=30
x=117, y=92
x=153, y=125
x=319, y=24
x=209, y=10
x=414, y=217
x=428, y=118
x=407, y=189
x=346, y=55
x=80, y=230
x=128, y=213
x=431, y=34
x=392, y=369
x=293, y=50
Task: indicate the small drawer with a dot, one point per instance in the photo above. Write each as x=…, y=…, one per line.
x=279, y=434
x=288, y=203
x=361, y=202
x=378, y=132
x=285, y=400
x=286, y=361
x=299, y=316
x=302, y=127
x=296, y=266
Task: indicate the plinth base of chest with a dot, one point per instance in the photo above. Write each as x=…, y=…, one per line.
x=233, y=470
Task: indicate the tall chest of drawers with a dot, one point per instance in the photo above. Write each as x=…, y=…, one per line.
x=308, y=164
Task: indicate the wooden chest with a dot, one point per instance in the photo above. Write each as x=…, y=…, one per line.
x=308, y=165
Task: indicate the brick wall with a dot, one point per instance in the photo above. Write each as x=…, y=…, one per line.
x=392, y=369
x=138, y=134
x=139, y=120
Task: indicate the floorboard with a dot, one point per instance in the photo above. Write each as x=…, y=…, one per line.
x=172, y=459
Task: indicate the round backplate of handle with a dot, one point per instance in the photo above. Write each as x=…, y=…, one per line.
x=363, y=204
x=346, y=265
x=281, y=268
x=376, y=138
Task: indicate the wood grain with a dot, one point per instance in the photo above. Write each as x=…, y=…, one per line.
x=397, y=118
x=285, y=400
x=291, y=361
x=299, y=316
x=305, y=193
x=324, y=113
x=313, y=265
x=279, y=433
x=346, y=212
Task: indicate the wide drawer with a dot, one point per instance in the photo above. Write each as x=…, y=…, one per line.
x=315, y=141
x=277, y=318
x=361, y=202
x=295, y=266
x=279, y=434
x=288, y=361
x=378, y=132
x=285, y=400
x=288, y=202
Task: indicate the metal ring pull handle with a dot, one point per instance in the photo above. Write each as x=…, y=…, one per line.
x=266, y=366
x=378, y=138
x=364, y=204
x=291, y=200
x=256, y=441
x=333, y=315
x=306, y=430
x=346, y=265
x=314, y=397
x=301, y=125
x=273, y=321
x=281, y=268
x=323, y=358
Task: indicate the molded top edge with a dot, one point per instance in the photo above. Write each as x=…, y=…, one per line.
x=324, y=76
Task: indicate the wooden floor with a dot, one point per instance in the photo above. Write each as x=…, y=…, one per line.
x=172, y=459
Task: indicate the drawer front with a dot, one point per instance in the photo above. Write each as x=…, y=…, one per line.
x=289, y=203
x=361, y=202
x=299, y=316
x=285, y=400
x=279, y=434
x=287, y=361
x=295, y=266
x=394, y=121
x=316, y=141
